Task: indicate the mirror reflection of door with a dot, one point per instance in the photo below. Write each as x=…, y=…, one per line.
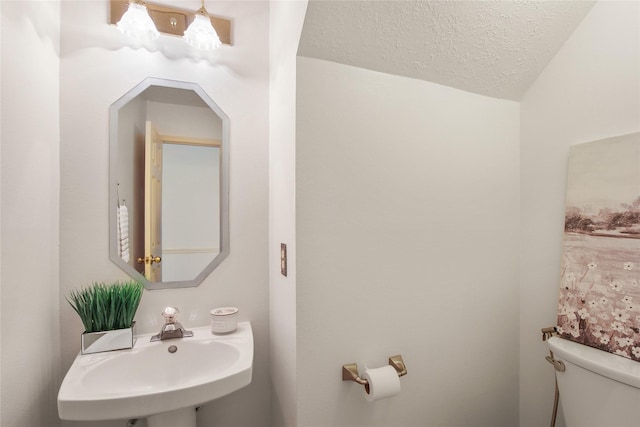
x=153, y=204
x=181, y=213
x=190, y=205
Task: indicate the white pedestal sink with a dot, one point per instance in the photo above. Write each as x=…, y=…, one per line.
x=180, y=417
x=156, y=381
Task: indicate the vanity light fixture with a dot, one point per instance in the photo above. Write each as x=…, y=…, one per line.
x=173, y=21
x=137, y=24
x=201, y=33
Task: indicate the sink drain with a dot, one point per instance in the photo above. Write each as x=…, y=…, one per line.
x=172, y=349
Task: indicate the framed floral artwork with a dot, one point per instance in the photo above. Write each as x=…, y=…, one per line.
x=599, y=299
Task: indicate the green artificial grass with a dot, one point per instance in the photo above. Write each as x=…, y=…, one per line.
x=105, y=307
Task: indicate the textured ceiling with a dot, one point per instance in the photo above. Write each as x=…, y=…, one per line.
x=495, y=48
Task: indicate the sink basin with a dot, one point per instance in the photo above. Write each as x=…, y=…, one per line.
x=149, y=379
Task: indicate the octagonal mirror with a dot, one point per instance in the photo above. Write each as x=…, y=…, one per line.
x=169, y=183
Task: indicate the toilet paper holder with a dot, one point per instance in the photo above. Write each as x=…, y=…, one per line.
x=350, y=371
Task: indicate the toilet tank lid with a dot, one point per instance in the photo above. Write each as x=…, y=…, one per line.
x=601, y=362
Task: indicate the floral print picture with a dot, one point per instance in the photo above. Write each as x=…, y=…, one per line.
x=599, y=282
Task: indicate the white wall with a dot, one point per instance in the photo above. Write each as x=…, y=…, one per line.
x=286, y=18
x=130, y=189
x=407, y=234
x=30, y=135
x=191, y=221
x=589, y=91
x=96, y=69
x=1, y=50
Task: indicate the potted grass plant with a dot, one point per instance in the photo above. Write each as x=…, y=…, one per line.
x=107, y=311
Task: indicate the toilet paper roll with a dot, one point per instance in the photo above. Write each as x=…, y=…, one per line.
x=383, y=382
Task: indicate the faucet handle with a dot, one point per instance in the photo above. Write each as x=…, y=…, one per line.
x=171, y=328
x=170, y=314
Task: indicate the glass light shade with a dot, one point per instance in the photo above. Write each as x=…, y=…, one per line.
x=201, y=33
x=137, y=24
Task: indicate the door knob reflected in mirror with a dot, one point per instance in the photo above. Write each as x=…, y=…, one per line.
x=149, y=259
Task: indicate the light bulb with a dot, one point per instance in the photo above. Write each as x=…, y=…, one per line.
x=137, y=24
x=201, y=33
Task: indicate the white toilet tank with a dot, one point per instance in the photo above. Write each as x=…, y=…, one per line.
x=597, y=389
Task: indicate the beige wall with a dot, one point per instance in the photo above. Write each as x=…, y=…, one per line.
x=29, y=326
x=407, y=233
x=589, y=91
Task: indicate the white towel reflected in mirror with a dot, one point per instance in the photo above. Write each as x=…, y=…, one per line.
x=122, y=218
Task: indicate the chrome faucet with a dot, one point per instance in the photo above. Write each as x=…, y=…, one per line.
x=171, y=328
